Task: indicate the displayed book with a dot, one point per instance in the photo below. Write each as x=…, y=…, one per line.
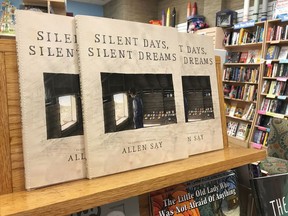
x=242, y=130
x=212, y=195
x=272, y=52
x=128, y=72
x=52, y=124
x=232, y=127
x=271, y=194
x=283, y=54
x=253, y=56
x=243, y=57
x=235, y=57
x=200, y=92
x=126, y=207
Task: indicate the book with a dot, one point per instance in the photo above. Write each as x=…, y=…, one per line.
x=204, y=77
x=253, y=56
x=242, y=130
x=270, y=194
x=235, y=56
x=212, y=195
x=123, y=88
x=52, y=124
x=243, y=57
x=126, y=207
x=232, y=127
x=283, y=53
x=272, y=52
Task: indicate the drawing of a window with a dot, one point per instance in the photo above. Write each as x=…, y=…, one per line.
x=121, y=107
x=68, y=116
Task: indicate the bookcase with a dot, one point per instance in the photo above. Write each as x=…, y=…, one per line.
x=67, y=198
x=273, y=91
x=241, y=74
x=53, y=6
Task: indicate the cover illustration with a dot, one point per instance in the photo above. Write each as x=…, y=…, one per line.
x=52, y=123
x=132, y=95
x=208, y=196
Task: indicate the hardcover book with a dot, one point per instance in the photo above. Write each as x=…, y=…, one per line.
x=212, y=195
x=271, y=194
x=202, y=125
x=132, y=95
x=50, y=99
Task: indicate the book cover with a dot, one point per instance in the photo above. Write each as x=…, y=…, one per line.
x=132, y=94
x=253, y=56
x=271, y=194
x=232, y=127
x=126, y=207
x=283, y=52
x=272, y=52
x=52, y=124
x=202, y=126
x=242, y=130
x=212, y=195
x=243, y=57
x=235, y=56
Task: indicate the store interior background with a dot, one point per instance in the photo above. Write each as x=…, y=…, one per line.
x=143, y=11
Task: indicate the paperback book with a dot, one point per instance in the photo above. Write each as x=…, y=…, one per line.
x=212, y=195
x=52, y=124
x=132, y=95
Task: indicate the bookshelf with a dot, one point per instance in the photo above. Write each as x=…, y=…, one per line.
x=66, y=198
x=53, y=6
x=241, y=74
x=273, y=91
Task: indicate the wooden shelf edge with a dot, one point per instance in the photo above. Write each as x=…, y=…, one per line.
x=79, y=195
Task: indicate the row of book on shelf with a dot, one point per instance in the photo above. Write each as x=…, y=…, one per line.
x=237, y=129
x=274, y=87
x=241, y=74
x=246, y=113
x=244, y=36
x=276, y=52
x=246, y=92
x=276, y=70
x=274, y=106
x=277, y=32
x=250, y=56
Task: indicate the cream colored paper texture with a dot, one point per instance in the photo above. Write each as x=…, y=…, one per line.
x=203, y=129
x=50, y=99
x=114, y=56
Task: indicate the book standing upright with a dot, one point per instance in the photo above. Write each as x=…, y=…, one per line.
x=52, y=124
x=132, y=97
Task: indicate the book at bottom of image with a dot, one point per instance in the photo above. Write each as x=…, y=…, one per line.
x=211, y=195
x=126, y=207
x=271, y=194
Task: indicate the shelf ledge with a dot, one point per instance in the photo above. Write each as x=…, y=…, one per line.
x=79, y=195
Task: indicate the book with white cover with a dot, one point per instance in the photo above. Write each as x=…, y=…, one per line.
x=132, y=95
x=51, y=110
x=200, y=91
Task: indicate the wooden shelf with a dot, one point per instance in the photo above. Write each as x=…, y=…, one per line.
x=74, y=196
x=241, y=64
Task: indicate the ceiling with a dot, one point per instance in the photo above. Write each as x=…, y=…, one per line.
x=98, y=2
